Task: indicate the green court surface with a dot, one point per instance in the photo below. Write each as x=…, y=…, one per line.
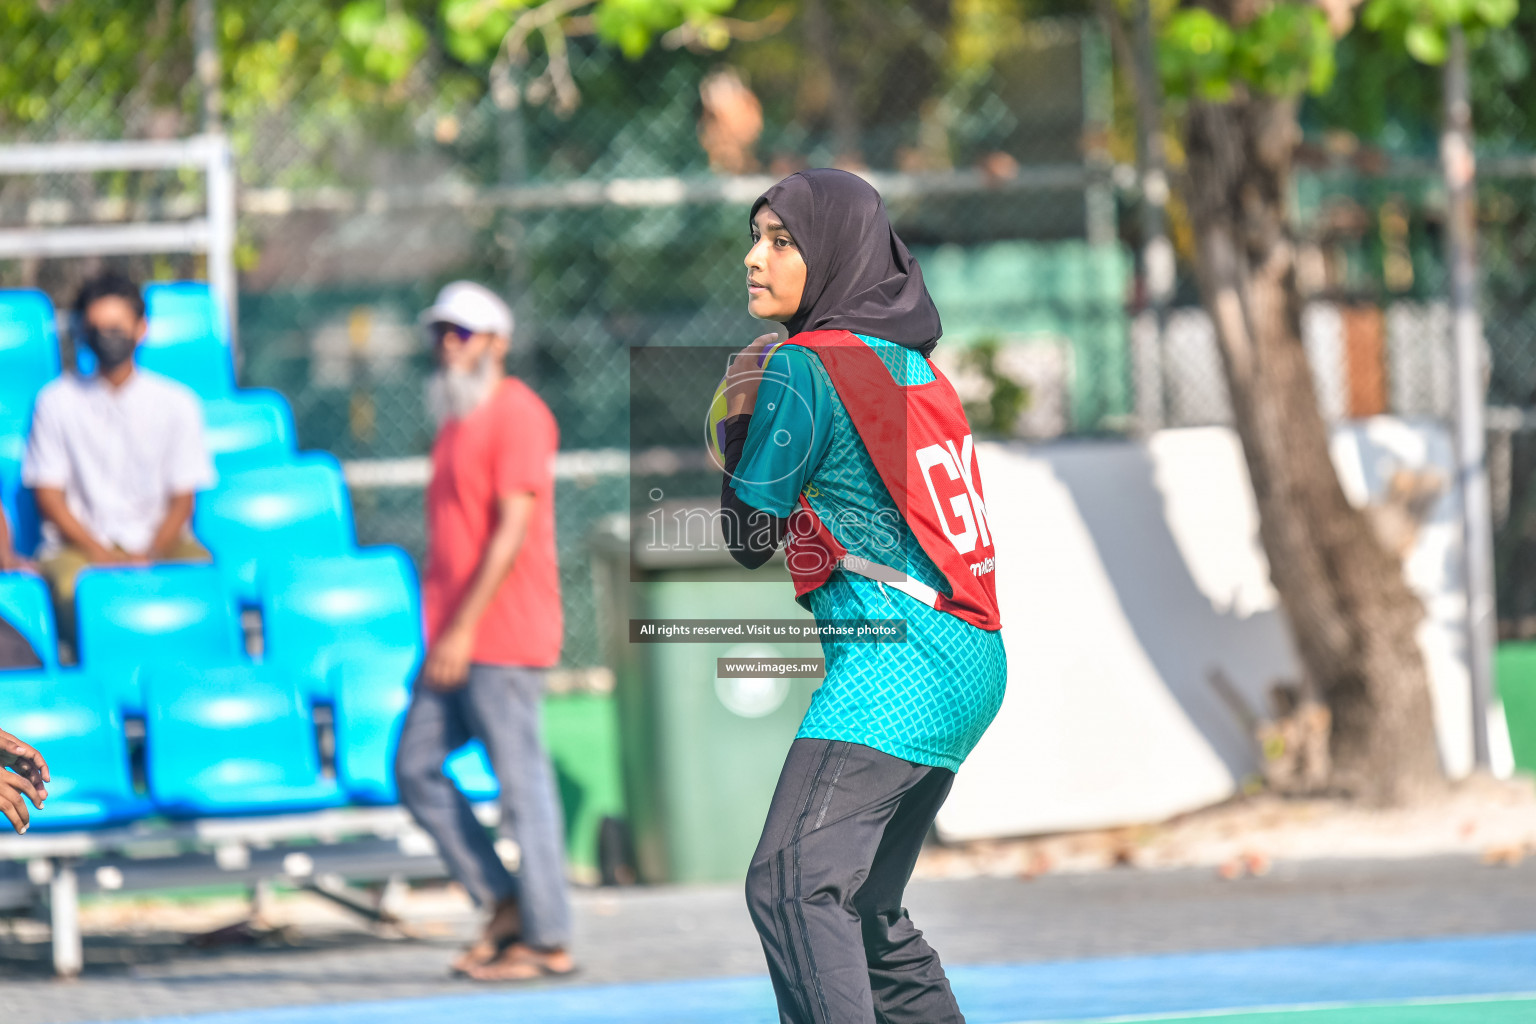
x=1459, y=1011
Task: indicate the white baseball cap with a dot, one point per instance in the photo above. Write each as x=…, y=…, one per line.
x=472, y=306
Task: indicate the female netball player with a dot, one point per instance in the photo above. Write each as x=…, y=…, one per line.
x=850, y=443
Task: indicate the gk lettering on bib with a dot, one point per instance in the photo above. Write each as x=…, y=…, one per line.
x=967, y=507
x=923, y=449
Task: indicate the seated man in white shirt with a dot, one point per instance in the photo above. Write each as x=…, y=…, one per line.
x=115, y=458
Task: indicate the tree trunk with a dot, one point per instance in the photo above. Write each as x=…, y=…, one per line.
x=1351, y=613
x=822, y=37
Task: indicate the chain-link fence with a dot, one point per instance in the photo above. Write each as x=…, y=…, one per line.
x=621, y=222
x=608, y=231
x=615, y=224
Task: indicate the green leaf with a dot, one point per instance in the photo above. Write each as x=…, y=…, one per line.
x=634, y=39
x=475, y=28
x=1421, y=26
x=1426, y=42
x=1215, y=90
x=1194, y=54
x=633, y=25
x=384, y=44
x=1287, y=50
x=1496, y=13
x=1325, y=67
x=1377, y=14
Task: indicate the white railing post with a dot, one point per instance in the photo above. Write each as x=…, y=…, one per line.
x=64, y=906
x=221, y=232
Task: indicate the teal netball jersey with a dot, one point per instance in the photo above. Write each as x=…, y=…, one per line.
x=927, y=700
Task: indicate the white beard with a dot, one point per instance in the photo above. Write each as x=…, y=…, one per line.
x=454, y=394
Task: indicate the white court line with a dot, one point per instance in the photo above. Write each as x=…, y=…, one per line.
x=1147, y=1018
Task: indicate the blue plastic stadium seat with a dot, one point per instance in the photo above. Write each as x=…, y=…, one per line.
x=25, y=604
x=73, y=724
x=317, y=611
x=16, y=500
x=132, y=619
x=251, y=427
x=187, y=340
x=470, y=769
x=236, y=739
x=372, y=693
x=372, y=688
x=267, y=515
x=29, y=353
x=15, y=424
x=185, y=312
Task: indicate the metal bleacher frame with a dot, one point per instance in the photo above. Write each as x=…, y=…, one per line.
x=212, y=234
x=314, y=850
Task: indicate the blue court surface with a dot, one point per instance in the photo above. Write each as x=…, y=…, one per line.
x=1471, y=980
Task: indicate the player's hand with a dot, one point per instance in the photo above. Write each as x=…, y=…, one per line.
x=27, y=777
x=447, y=665
x=745, y=373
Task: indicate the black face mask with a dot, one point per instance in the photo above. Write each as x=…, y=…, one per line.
x=112, y=347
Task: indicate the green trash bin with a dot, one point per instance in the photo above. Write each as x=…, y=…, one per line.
x=582, y=735
x=1515, y=675
x=701, y=754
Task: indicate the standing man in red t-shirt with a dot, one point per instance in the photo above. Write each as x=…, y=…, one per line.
x=493, y=622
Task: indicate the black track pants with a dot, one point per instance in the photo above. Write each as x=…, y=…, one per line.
x=825, y=888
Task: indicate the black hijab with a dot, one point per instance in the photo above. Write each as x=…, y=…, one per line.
x=858, y=275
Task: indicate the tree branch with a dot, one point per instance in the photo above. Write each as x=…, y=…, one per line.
x=513, y=51
x=688, y=35
x=567, y=96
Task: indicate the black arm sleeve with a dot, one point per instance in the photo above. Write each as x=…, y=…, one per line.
x=750, y=533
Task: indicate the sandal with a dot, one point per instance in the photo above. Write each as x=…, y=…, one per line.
x=524, y=963
x=504, y=929
x=483, y=951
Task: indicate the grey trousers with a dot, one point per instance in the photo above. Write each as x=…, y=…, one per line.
x=825, y=888
x=498, y=705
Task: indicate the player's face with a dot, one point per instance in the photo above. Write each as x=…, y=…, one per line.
x=775, y=270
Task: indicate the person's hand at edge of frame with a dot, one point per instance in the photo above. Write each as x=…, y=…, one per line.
x=10, y=561
x=745, y=374
x=447, y=664
x=27, y=776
